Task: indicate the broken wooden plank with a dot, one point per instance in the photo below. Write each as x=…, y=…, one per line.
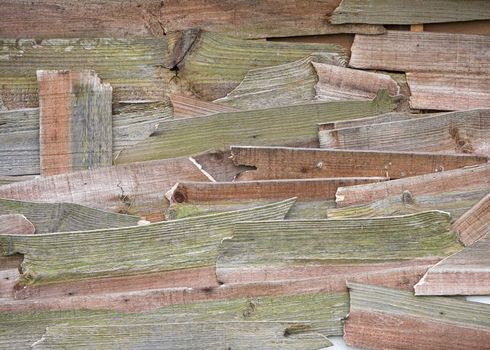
x=294, y=249
x=377, y=119
x=448, y=91
x=456, y=132
x=188, y=107
x=464, y=273
x=475, y=223
x=48, y=18
x=298, y=163
x=197, y=198
x=406, y=12
x=159, y=247
x=75, y=116
x=131, y=66
x=274, y=126
x=61, y=217
x=422, y=52
x=15, y=224
x=137, y=188
x=341, y=84
x=382, y=318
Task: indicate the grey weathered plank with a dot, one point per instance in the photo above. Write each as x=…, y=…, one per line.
x=475, y=223
x=377, y=119
x=16, y=224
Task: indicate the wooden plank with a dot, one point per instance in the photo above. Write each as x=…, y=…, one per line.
x=274, y=126
x=188, y=107
x=448, y=91
x=5, y=180
x=457, y=132
x=464, y=273
x=50, y=18
x=295, y=249
x=131, y=66
x=417, y=28
x=377, y=119
x=15, y=224
x=299, y=163
x=75, y=116
x=422, y=52
x=382, y=318
x=137, y=188
x=158, y=247
x=60, y=217
x=341, y=84
x=475, y=223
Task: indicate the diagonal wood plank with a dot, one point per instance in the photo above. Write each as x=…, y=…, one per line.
x=475, y=223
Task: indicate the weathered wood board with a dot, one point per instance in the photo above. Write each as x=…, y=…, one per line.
x=475, y=223
x=16, y=224
x=377, y=119
x=188, y=107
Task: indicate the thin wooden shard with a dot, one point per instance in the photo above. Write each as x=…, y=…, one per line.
x=422, y=52
x=137, y=188
x=382, y=318
x=297, y=163
x=274, y=126
x=340, y=84
x=75, y=111
x=448, y=91
x=61, y=217
x=404, y=12
x=288, y=250
x=16, y=224
x=159, y=247
x=48, y=18
x=377, y=119
x=456, y=132
x=475, y=223
x=466, y=179
x=188, y=107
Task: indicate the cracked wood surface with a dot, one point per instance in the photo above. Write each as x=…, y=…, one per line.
x=273, y=126
x=75, y=117
x=422, y=52
x=158, y=247
x=475, y=223
x=51, y=18
x=448, y=91
x=16, y=224
x=62, y=217
x=137, y=188
x=382, y=318
x=466, y=179
x=456, y=132
x=408, y=12
x=188, y=107
x=288, y=162
x=292, y=249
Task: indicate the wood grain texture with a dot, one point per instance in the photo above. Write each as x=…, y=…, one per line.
x=158, y=247
x=464, y=273
x=377, y=119
x=188, y=107
x=131, y=66
x=16, y=224
x=475, y=223
x=422, y=52
x=50, y=18
x=5, y=180
x=274, y=126
x=61, y=217
x=75, y=117
x=341, y=84
x=466, y=179
x=457, y=132
x=448, y=91
x=137, y=188
x=297, y=163
x=382, y=318
x=406, y=12
x=294, y=249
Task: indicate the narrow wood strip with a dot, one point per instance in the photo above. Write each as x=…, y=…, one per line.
x=475, y=223
x=15, y=224
x=444, y=91
x=5, y=180
x=188, y=107
x=466, y=179
x=456, y=132
x=404, y=11
x=274, y=126
x=382, y=318
x=137, y=188
x=377, y=119
x=422, y=52
x=75, y=113
x=287, y=162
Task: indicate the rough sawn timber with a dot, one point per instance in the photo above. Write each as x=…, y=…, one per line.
x=377, y=119
x=475, y=223
x=188, y=107
x=16, y=224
